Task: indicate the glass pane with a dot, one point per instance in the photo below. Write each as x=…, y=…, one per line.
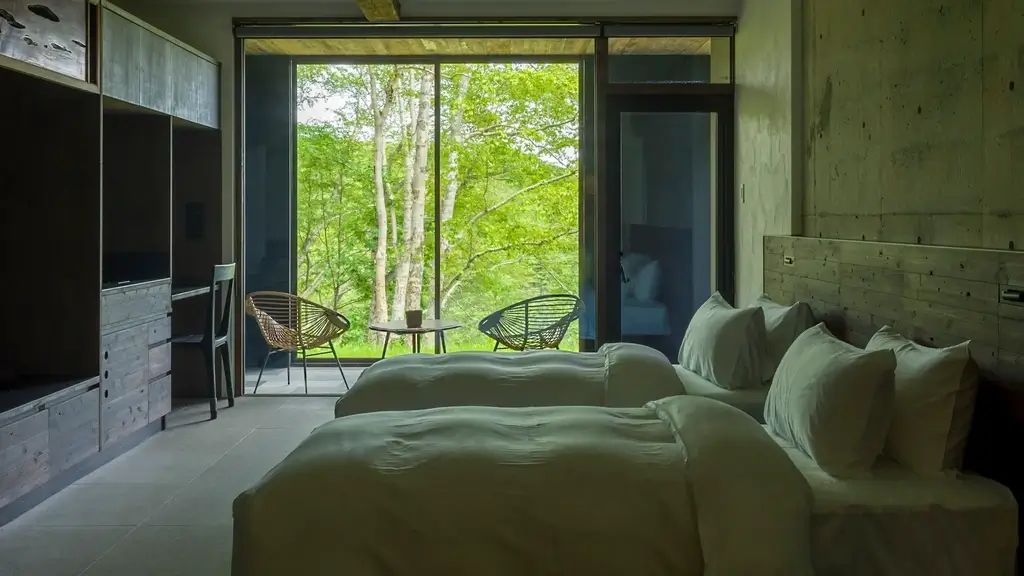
x=268, y=209
x=669, y=60
x=510, y=191
x=364, y=231
x=667, y=183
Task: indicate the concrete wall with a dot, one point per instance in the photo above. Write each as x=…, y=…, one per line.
x=768, y=143
x=915, y=121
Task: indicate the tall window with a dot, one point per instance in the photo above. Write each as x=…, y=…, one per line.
x=383, y=228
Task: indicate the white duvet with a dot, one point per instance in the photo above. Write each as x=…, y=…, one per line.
x=617, y=375
x=683, y=486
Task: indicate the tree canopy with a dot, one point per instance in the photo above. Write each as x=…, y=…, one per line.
x=507, y=206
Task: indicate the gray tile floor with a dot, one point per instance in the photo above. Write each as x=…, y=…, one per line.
x=322, y=380
x=164, y=508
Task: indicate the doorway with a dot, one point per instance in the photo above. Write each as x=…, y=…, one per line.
x=667, y=213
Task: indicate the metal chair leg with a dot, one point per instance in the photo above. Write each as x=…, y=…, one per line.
x=262, y=368
x=340, y=369
x=305, y=378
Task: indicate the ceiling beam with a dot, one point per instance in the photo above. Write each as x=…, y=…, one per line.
x=380, y=10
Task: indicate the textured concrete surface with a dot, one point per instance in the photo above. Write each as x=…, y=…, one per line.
x=768, y=111
x=915, y=121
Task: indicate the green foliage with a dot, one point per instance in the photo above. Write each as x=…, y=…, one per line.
x=513, y=231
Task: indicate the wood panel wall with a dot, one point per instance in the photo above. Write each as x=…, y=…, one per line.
x=936, y=295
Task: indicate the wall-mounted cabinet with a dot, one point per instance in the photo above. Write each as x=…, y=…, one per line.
x=144, y=67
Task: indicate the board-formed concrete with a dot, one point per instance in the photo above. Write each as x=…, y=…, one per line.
x=915, y=121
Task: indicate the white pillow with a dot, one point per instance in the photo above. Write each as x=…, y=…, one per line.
x=724, y=345
x=645, y=283
x=935, y=393
x=782, y=325
x=631, y=265
x=833, y=401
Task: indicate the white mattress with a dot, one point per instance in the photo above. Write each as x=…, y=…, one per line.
x=645, y=319
x=749, y=400
x=899, y=523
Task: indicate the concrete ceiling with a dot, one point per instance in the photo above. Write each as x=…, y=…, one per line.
x=512, y=8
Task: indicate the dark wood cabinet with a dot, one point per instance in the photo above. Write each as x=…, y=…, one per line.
x=89, y=197
x=24, y=456
x=136, y=357
x=74, y=430
x=145, y=68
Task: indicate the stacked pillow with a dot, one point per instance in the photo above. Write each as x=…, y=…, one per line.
x=725, y=345
x=934, y=403
x=783, y=324
x=741, y=348
x=833, y=401
x=844, y=406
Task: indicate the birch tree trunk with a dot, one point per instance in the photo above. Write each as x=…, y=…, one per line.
x=398, y=306
x=414, y=296
x=381, y=105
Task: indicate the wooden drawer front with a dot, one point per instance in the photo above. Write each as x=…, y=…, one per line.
x=159, y=331
x=126, y=414
x=24, y=456
x=125, y=361
x=159, y=360
x=159, y=398
x=135, y=303
x=74, y=430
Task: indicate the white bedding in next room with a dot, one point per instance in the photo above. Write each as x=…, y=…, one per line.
x=898, y=523
x=749, y=400
x=648, y=318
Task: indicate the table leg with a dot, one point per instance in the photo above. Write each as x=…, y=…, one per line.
x=387, y=338
x=417, y=343
x=444, y=348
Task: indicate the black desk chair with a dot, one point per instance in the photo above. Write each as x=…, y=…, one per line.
x=216, y=334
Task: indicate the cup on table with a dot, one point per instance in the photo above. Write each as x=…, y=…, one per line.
x=414, y=318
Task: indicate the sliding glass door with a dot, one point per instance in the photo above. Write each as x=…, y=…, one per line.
x=447, y=188
x=668, y=216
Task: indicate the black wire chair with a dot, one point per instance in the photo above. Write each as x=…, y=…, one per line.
x=536, y=323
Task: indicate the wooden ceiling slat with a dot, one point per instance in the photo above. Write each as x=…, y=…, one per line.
x=380, y=10
x=471, y=46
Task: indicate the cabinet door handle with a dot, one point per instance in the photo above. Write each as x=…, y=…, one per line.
x=1013, y=295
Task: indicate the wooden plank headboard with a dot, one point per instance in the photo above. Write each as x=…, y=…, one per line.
x=936, y=295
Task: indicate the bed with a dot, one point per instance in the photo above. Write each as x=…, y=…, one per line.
x=673, y=487
x=618, y=375
x=749, y=400
x=897, y=523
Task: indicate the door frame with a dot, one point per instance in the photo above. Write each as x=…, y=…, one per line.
x=609, y=205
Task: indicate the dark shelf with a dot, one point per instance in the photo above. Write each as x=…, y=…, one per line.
x=29, y=392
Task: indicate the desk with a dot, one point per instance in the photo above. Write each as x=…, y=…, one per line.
x=182, y=292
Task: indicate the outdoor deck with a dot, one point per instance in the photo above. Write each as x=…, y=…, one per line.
x=323, y=381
